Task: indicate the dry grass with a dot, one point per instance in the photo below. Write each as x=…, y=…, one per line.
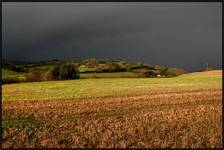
x=171, y=120
x=168, y=119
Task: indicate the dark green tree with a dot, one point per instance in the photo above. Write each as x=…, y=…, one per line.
x=164, y=72
x=65, y=71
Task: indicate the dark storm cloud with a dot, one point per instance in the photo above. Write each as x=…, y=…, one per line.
x=172, y=34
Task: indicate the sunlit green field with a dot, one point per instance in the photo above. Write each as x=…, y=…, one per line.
x=111, y=87
x=84, y=69
x=10, y=73
x=108, y=75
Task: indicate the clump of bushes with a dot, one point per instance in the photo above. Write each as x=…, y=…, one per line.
x=9, y=80
x=17, y=68
x=139, y=66
x=90, y=62
x=151, y=73
x=109, y=67
x=40, y=74
x=65, y=72
x=172, y=72
x=105, y=68
x=60, y=72
x=146, y=73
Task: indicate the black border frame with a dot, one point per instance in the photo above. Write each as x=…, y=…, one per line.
x=220, y=1
x=112, y=0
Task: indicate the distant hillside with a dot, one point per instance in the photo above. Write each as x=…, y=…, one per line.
x=92, y=68
x=87, y=65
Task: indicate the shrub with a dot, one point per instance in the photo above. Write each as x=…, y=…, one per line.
x=9, y=80
x=172, y=72
x=40, y=74
x=105, y=68
x=119, y=67
x=91, y=62
x=111, y=67
x=14, y=67
x=139, y=66
x=164, y=72
x=151, y=73
x=55, y=73
x=140, y=70
x=66, y=71
x=18, y=68
x=146, y=72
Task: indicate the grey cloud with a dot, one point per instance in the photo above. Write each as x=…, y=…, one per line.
x=175, y=34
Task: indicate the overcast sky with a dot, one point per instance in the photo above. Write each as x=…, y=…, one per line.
x=172, y=34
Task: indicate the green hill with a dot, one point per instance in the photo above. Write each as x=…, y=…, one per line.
x=88, y=68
